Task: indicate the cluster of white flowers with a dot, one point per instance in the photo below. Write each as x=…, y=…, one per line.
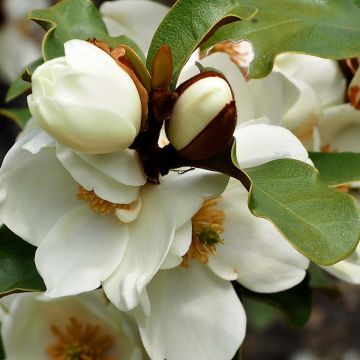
x=164, y=254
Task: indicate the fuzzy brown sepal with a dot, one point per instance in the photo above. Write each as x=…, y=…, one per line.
x=216, y=136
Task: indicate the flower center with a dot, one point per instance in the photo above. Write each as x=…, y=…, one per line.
x=80, y=342
x=99, y=205
x=126, y=213
x=207, y=227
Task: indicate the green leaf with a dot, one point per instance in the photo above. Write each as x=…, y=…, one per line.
x=327, y=28
x=17, y=267
x=320, y=222
x=19, y=85
x=20, y=116
x=295, y=304
x=337, y=168
x=71, y=19
x=188, y=23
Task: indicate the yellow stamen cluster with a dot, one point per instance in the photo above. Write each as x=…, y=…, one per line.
x=80, y=342
x=99, y=205
x=207, y=227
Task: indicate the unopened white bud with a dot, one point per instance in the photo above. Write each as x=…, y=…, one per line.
x=86, y=101
x=203, y=117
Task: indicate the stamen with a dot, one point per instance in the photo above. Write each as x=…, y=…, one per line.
x=207, y=227
x=80, y=342
x=99, y=205
x=239, y=54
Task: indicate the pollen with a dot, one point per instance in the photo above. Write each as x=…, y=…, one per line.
x=80, y=341
x=99, y=205
x=207, y=228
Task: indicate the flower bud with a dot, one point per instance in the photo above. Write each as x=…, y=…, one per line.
x=203, y=118
x=86, y=101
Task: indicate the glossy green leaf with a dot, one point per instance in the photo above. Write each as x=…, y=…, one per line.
x=71, y=19
x=188, y=23
x=17, y=267
x=337, y=168
x=326, y=28
x=20, y=116
x=19, y=85
x=320, y=222
x=295, y=304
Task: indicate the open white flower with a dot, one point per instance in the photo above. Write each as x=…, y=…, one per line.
x=86, y=326
x=196, y=300
x=97, y=214
x=17, y=37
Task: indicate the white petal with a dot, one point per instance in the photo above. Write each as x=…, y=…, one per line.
x=87, y=58
x=254, y=252
x=35, y=191
x=273, y=96
x=105, y=131
x=13, y=43
x=117, y=95
x=323, y=75
x=80, y=251
x=257, y=144
x=123, y=166
x=340, y=128
x=151, y=236
x=347, y=270
x=39, y=141
x=194, y=315
x=179, y=247
x=137, y=19
x=92, y=178
x=304, y=116
x=188, y=191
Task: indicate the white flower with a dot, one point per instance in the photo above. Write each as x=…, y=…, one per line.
x=86, y=100
x=37, y=328
x=339, y=129
x=324, y=76
x=17, y=37
x=137, y=19
x=197, y=301
x=90, y=215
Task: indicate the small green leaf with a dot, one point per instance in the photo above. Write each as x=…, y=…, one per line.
x=20, y=116
x=295, y=304
x=337, y=168
x=71, y=19
x=188, y=23
x=17, y=267
x=19, y=85
x=326, y=28
x=320, y=222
